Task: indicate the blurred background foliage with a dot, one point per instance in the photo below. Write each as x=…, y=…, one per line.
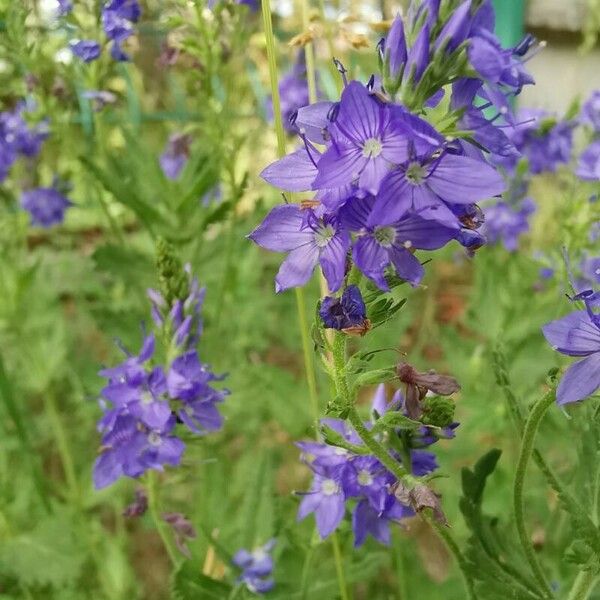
x=66, y=294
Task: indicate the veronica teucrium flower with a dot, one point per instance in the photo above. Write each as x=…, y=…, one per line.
x=577, y=334
x=327, y=501
x=590, y=111
x=383, y=240
x=257, y=567
x=367, y=138
x=310, y=240
x=427, y=184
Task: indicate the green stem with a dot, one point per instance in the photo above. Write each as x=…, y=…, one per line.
x=531, y=427
x=401, y=580
x=339, y=567
x=161, y=526
x=270, y=43
x=310, y=56
x=444, y=533
x=62, y=444
x=309, y=367
x=583, y=586
x=342, y=389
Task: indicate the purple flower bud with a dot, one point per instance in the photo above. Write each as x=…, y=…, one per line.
x=345, y=312
x=183, y=530
x=46, y=206
x=456, y=29
x=418, y=57
x=395, y=47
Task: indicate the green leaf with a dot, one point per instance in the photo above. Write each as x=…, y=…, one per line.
x=51, y=554
x=334, y=438
x=394, y=420
x=189, y=583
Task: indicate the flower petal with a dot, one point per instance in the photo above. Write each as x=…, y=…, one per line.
x=463, y=180
x=423, y=234
x=297, y=268
x=333, y=260
x=312, y=121
x=393, y=201
x=574, y=335
x=359, y=114
x=580, y=381
x=371, y=259
x=281, y=231
x=339, y=166
x=294, y=172
x=407, y=266
x=330, y=513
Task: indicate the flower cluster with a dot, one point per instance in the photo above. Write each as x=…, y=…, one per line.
x=118, y=19
x=388, y=174
x=18, y=138
x=257, y=567
x=342, y=475
x=543, y=139
x=144, y=403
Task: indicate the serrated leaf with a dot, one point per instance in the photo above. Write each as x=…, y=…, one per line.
x=51, y=554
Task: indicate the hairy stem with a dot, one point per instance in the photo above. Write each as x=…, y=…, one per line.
x=161, y=526
x=531, y=427
x=339, y=567
x=444, y=533
x=583, y=585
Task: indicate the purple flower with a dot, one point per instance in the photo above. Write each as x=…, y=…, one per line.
x=327, y=501
x=183, y=531
x=577, y=334
x=368, y=521
x=188, y=381
x=383, y=241
x=175, y=156
x=293, y=93
x=367, y=138
x=86, y=50
x=590, y=111
x=46, y=206
x=143, y=406
x=257, y=567
x=128, y=450
x=506, y=224
x=118, y=17
x=310, y=240
x=18, y=138
x=345, y=312
x=502, y=70
x=589, y=163
x=427, y=185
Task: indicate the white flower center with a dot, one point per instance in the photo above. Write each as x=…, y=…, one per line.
x=323, y=235
x=372, y=148
x=365, y=478
x=415, y=173
x=385, y=236
x=147, y=397
x=329, y=487
x=154, y=438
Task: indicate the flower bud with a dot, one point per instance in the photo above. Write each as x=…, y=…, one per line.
x=438, y=411
x=395, y=54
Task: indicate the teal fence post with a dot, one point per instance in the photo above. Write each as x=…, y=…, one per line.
x=510, y=21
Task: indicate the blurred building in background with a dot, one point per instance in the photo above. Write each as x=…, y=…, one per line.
x=564, y=69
